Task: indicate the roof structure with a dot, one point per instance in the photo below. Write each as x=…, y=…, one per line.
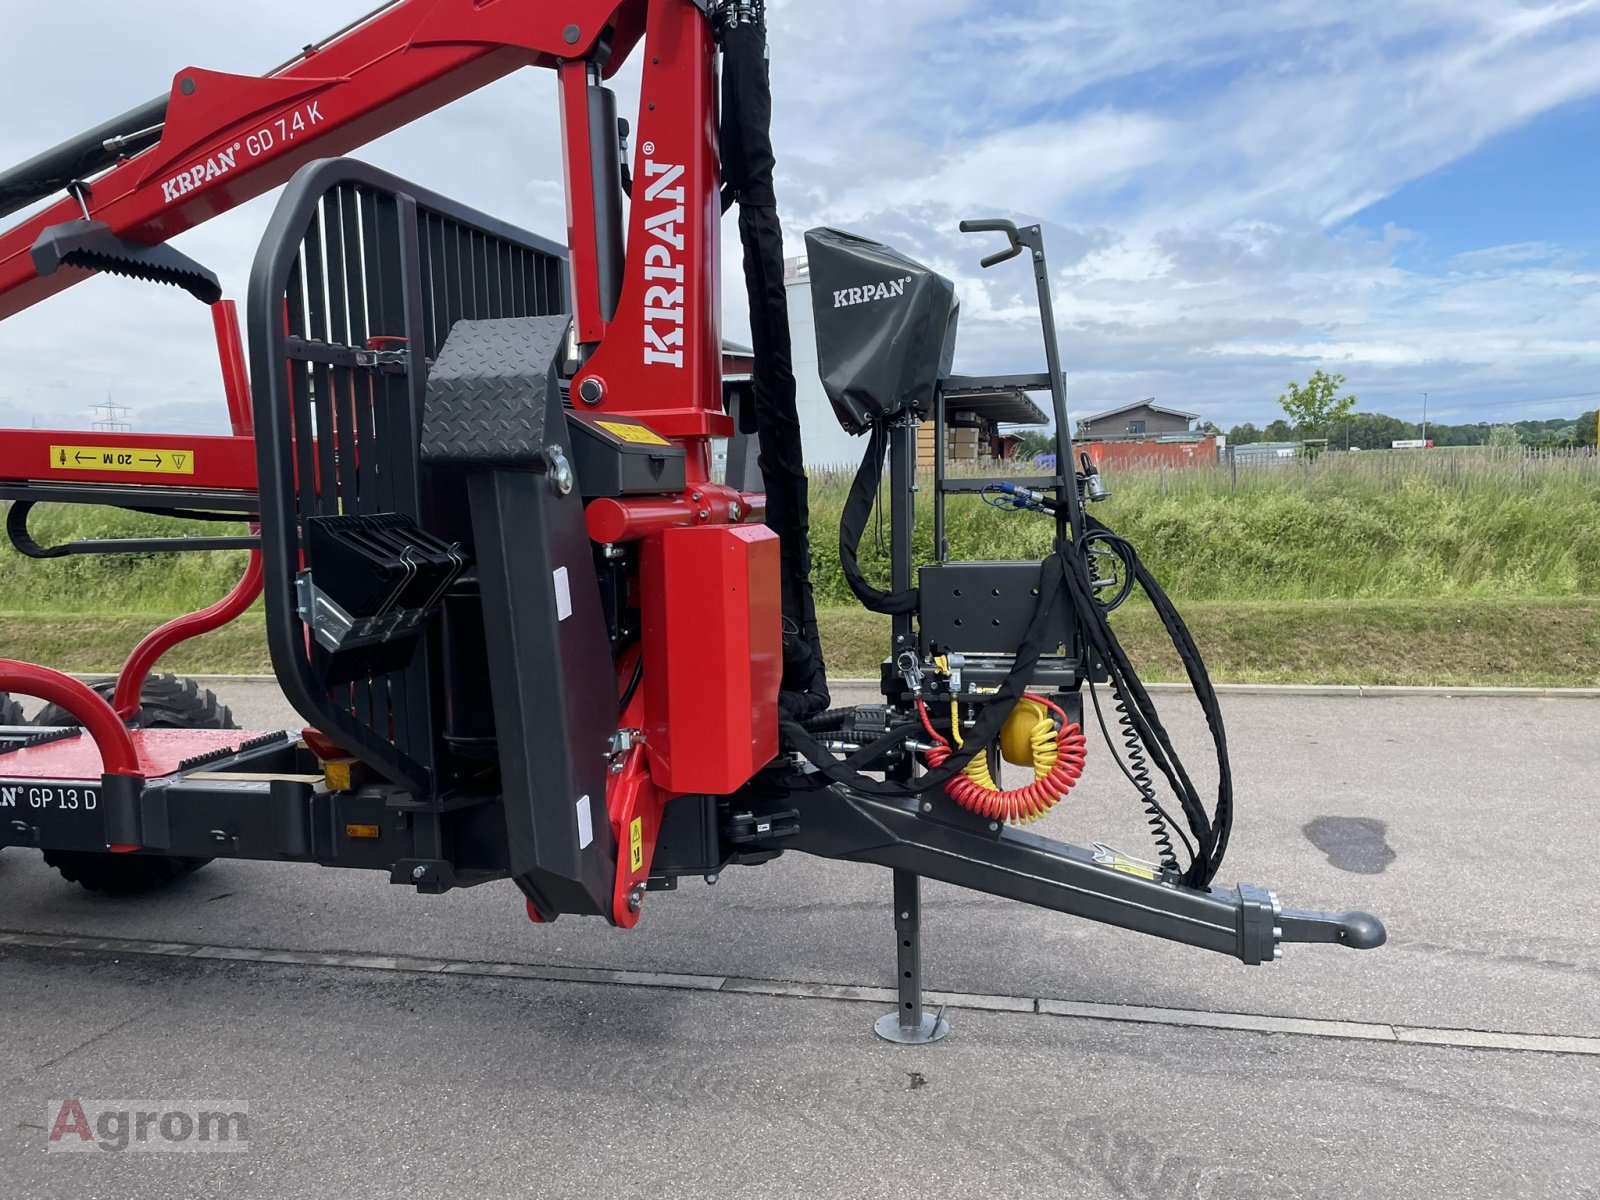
x=1149, y=403
x=1007, y=405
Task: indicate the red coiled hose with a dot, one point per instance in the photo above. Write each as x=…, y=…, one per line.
x=1019, y=804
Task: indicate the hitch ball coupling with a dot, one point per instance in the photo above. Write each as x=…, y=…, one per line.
x=1264, y=925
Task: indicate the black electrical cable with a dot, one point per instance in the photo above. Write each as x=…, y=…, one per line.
x=1162, y=825
x=1211, y=833
x=633, y=685
x=1144, y=736
x=858, y=508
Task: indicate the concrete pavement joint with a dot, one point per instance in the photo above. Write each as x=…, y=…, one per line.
x=1471, y=1039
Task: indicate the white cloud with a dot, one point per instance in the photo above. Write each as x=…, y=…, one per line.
x=1191, y=161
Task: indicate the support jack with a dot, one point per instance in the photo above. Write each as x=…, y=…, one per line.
x=908, y=1024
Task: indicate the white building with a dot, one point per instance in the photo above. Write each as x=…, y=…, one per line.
x=826, y=443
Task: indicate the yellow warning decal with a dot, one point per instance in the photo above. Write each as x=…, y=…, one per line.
x=633, y=433
x=1105, y=856
x=636, y=844
x=122, y=459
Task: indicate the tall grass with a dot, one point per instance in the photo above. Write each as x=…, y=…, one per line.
x=1368, y=526
x=115, y=583
x=1343, y=527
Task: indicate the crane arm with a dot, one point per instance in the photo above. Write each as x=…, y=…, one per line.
x=224, y=138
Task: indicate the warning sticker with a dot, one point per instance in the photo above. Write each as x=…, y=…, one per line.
x=122, y=459
x=633, y=433
x=636, y=844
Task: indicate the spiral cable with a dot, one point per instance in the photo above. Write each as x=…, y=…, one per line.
x=1137, y=768
x=1055, y=772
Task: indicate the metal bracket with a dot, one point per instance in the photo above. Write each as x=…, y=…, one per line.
x=330, y=623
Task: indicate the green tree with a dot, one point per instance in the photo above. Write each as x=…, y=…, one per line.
x=1375, y=431
x=1584, y=433
x=1279, y=431
x=1035, y=442
x=1243, y=435
x=1503, y=437
x=1315, y=406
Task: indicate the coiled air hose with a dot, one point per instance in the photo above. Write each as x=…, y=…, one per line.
x=1057, y=758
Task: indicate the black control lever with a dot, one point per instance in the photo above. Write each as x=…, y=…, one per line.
x=995, y=225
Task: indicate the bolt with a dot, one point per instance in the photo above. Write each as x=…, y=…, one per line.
x=927, y=806
x=712, y=878
x=994, y=826
x=734, y=511
x=704, y=514
x=1277, y=934
x=636, y=898
x=1277, y=952
x=419, y=872
x=695, y=496
x=570, y=35
x=560, y=471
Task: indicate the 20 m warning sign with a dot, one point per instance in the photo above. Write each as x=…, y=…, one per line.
x=124, y=459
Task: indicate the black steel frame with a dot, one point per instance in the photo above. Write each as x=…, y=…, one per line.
x=359, y=278
x=931, y=835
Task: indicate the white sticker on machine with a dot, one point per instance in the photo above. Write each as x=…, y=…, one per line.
x=563, y=594
x=585, y=823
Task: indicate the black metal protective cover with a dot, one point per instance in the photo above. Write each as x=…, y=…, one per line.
x=488, y=391
x=495, y=417
x=618, y=456
x=886, y=327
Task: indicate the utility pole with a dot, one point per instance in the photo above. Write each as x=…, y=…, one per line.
x=1424, y=416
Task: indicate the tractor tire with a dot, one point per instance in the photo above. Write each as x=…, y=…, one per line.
x=167, y=702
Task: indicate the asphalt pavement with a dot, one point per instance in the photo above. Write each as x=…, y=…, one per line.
x=444, y=1046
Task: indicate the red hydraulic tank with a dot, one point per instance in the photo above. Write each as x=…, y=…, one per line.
x=713, y=654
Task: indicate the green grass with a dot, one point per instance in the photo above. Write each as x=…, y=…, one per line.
x=1533, y=643
x=1327, y=533
x=115, y=583
x=1345, y=571
x=1521, y=643
x=85, y=642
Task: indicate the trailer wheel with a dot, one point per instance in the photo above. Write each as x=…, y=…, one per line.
x=167, y=702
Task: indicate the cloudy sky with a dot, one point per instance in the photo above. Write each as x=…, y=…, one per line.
x=1404, y=191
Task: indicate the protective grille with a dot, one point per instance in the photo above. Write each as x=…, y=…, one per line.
x=355, y=287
